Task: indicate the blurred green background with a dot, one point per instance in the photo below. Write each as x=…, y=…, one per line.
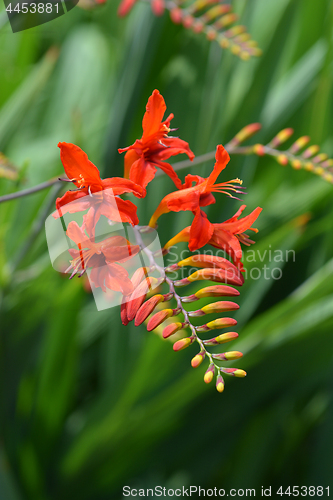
x=88, y=405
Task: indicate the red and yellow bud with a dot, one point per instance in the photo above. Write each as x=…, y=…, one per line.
x=159, y=317
x=220, y=306
x=212, y=274
x=299, y=144
x=228, y=356
x=208, y=377
x=245, y=134
x=176, y=15
x=207, y=261
x=235, y=372
x=138, y=296
x=221, y=339
x=226, y=20
x=182, y=343
x=188, y=21
x=283, y=160
x=198, y=359
x=211, y=33
x=311, y=151
x=171, y=329
x=296, y=164
x=309, y=166
x=327, y=163
x=281, y=137
x=221, y=323
x=216, y=11
x=217, y=291
x=219, y=383
x=147, y=308
x=259, y=149
x=320, y=158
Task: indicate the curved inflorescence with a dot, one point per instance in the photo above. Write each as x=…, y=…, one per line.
x=123, y=263
x=213, y=18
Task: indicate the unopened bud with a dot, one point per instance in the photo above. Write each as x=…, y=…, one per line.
x=208, y=377
x=259, y=149
x=281, y=137
x=197, y=360
x=220, y=383
x=299, y=144
x=311, y=151
x=158, y=318
x=228, y=356
x=222, y=339
x=245, y=134
x=147, y=308
x=235, y=372
x=283, y=160
x=182, y=343
x=171, y=329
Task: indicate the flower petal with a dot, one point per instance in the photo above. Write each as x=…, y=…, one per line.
x=142, y=172
x=71, y=203
x=76, y=164
x=201, y=231
x=153, y=116
x=222, y=159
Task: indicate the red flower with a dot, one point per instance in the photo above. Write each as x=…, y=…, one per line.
x=94, y=192
x=154, y=147
x=227, y=235
x=126, y=5
x=200, y=195
x=103, y=258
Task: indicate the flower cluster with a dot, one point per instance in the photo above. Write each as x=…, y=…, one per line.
x=107, y=258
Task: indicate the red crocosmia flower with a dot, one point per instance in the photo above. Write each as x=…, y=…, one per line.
x=101, y=194
x=103, y=258
x=154, y=147
x=126, y=5
x=227, y=236
x=200, y=195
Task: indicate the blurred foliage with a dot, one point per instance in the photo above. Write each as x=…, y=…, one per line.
x=88, y=405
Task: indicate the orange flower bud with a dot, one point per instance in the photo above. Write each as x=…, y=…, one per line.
x=310, y=151
x=327, y=163
x=299, y=144
x=197, y=360
x=211, y=33
x=216, y=11
x=158, y=318
x=217, y=291
x=208, y=377
x=259, y=149
x=219, y=383
x=139, y=295
x=245, y=134
x=281, y=137
x=320, y=158
x=147, y=308
x=213, y=274
x=221, y=323
x=220, y=306
x=228, y=356
x=182, y=343
x=296, y=164
x=283, y=160
x=227, y=20
x=171, y=329
x=176, y=15
x=235, y=372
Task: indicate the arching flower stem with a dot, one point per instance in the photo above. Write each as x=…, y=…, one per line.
x=175, y=295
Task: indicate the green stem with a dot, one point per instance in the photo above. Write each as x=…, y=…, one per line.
x=32, y=190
